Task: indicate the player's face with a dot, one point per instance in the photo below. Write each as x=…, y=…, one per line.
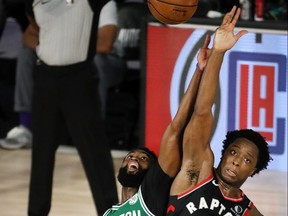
x=238, y=162
x=134, y=168
x=136, y=160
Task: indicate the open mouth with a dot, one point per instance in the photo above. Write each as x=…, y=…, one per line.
x=133, y=167
x=231, y=172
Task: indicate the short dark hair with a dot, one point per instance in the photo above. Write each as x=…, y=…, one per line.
x=150, y=153
x=264, y=155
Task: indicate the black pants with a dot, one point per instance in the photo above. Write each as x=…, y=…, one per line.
x=69, y=95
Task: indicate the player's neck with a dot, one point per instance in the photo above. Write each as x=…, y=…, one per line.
x=227, y=189
x=127, y=193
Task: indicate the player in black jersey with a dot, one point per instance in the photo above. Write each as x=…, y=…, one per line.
x=198, y=188
x=145, y=180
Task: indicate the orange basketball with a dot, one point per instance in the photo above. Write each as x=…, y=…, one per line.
x=172, y=11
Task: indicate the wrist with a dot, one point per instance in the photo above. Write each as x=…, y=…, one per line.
x=218, y=51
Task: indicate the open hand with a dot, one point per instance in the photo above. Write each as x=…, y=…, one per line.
x=224, y=37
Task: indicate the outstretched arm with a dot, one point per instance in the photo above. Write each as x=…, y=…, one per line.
x=171, y=143
x=198, y=158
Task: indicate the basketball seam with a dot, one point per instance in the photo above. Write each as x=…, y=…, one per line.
x=161, y=14
x=178, y=5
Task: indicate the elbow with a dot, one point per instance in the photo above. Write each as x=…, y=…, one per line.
x=202, y=112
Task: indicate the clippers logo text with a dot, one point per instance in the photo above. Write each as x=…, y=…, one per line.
x=255, y=79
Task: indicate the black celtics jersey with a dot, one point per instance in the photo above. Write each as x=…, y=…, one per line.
x=206, y=199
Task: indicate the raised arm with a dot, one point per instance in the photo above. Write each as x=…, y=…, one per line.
x=171, y=143
x=198, y=158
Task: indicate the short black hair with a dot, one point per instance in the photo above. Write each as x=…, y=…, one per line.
x=150, y=153
x=264, y=155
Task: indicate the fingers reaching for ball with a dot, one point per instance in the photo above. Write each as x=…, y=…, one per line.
x=225, y=37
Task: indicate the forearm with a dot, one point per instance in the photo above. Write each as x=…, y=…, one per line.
x=209, y=82
x=186, y=106
x=106, y=37
x=224, y=40
x=197, y=134
x=31, y=37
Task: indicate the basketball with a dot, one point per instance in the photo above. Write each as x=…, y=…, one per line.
x=172, y=11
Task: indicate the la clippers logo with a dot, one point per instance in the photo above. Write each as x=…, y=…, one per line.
x=255, y=79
